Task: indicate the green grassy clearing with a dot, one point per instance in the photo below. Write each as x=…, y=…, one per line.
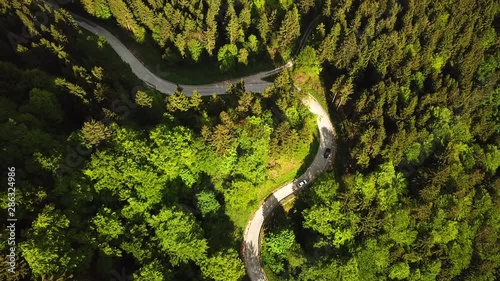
x=285, y=171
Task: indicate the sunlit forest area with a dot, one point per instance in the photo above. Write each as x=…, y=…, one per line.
x=113, y=178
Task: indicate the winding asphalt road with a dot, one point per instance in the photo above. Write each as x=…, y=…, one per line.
x=251, y=246
x=253, y=83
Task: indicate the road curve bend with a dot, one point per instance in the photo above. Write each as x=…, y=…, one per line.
x=251, y=239
x=253, y=83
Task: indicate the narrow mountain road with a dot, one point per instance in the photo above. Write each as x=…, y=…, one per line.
x=253, y=83
x=251, y=242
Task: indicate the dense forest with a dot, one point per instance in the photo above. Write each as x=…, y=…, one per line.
x=231, y=31
x=115, y=181
x=416, y=193
x=111, y=175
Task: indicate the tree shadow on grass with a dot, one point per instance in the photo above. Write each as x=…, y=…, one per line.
x=316, y=162
x=219, y=231
x=313, y=148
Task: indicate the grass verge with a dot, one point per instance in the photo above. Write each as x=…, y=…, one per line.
x=286, y=170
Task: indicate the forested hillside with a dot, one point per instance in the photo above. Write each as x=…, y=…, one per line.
x=416, y=192
x=231, y=31
x=115, y=180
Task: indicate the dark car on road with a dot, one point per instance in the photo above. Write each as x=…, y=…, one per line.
x=327, y=153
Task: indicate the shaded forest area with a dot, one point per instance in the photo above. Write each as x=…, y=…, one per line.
x=111, y=175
